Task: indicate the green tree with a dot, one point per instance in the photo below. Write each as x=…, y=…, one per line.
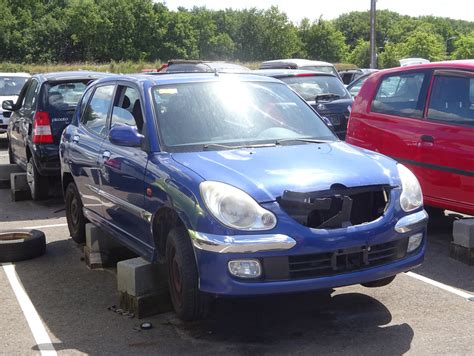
x=425, y=45
x=464, y=47
x=360, y=55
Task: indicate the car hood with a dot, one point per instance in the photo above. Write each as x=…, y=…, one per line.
x=266, y=172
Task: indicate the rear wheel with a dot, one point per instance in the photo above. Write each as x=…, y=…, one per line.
x=38, y=184
x=76, y=220
x=189, y=303
x=379, y=283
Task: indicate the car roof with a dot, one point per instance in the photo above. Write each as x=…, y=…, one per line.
x=73, y=75
x=295, y=61
x=16, y=74
x=280, y=73
x=179, y=78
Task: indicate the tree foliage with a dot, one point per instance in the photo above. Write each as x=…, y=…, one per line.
x=49, y=31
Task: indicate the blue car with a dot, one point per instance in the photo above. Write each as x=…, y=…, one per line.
x=236, y=185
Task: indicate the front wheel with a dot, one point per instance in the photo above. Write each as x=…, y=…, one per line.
x=38, y=184
x=76, y=221
x=188, y=301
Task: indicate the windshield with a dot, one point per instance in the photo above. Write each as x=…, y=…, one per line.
x=11, y=85
x=196, y=116
x=325, y=69
x=311, y=86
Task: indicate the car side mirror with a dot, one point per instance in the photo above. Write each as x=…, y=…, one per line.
x=125, y=135
x=8, y=105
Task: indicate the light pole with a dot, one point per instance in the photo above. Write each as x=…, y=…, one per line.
x=447, y=41
x=373, y=56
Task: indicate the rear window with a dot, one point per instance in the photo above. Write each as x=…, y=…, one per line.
x=64, y=96
x=11, y=85
x=309, y=87
x=325, y=69
x=400, y=95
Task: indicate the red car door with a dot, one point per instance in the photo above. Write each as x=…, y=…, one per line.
x=446, y=141
x=392, y=122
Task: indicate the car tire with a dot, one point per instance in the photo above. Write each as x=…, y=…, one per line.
x=19, y=245
x=379, y=283
x=11, y=158
x=38, y=184
x=76, y=221
x=188, y=301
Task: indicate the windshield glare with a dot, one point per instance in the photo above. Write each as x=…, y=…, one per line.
x=233, y=113
x=310, y=86
x=11, y=85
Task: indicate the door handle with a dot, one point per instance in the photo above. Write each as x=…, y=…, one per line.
x=105, y=155
x=75, y=138
x=427, y=138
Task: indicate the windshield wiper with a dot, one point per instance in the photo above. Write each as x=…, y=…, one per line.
x=326, y=97
x=308, y=140
x=218, y=145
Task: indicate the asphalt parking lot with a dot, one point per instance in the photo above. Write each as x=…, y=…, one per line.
x=408, y=316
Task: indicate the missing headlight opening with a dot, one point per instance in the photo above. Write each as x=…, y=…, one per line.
x=338, y=207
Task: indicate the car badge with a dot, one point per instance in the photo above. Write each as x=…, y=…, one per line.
x=321, y=107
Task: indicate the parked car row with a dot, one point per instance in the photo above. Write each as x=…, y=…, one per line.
x=237, y=185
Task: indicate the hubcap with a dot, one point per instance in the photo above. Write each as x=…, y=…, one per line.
x=30, y=177
x=73, y=208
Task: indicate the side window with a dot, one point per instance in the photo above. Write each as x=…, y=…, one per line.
x=30, y=97
x=85, y=100
x=95, y=113
x=127, y=108
x=452, y=100
x=400, y=95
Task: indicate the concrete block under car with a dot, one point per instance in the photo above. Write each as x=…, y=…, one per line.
x=462, y=247
x=19, y=187
x=5, y=171
x=101, y=250
x=142, y=287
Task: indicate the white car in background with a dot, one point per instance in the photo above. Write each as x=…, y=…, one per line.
x=10, y=87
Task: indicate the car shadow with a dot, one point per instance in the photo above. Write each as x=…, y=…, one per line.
x=438, y=264
x=74, y=304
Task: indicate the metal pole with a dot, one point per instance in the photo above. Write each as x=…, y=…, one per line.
x=373, y=57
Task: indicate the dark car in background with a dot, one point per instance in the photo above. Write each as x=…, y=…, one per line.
x=301, y=64
x=190, y=66
x=323, y=91
x=43, y=109
x=349, y=75
x=355, y=85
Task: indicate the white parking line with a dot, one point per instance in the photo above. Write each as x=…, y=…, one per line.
x=443, y=286
x=36, y=325
x=45, y=226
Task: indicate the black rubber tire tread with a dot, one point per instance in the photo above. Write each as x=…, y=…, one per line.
x=41, y=190
x=77, y=231
x=195, y=305
x=379, y=283
x=32, y=246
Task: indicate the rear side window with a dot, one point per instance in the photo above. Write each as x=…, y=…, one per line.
x=400, y=95
x=96, y=112
x=127, y=109
x=452, y=99
x=64, y=96
x=30, y=97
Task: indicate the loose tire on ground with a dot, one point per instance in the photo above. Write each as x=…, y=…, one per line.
x=188, y=301
x=19, y=245
x=379, y=283
x=38, y=184
x=76, y=221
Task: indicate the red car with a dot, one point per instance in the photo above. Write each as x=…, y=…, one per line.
x=423, y=117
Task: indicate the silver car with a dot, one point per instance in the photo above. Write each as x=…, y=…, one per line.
x=10, y=87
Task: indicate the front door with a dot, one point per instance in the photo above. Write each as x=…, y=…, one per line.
x=122, y=172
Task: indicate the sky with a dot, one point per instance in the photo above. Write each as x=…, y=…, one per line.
x=330, y=9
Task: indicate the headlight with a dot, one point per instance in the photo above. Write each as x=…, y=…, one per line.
x=411, y=197
x=235, y=208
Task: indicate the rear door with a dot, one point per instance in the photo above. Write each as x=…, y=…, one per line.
x=447, y=140
x=86, y=142
x=22, y=122
x=123, y=169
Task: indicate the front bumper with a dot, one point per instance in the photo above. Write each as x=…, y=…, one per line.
x=346, y=263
